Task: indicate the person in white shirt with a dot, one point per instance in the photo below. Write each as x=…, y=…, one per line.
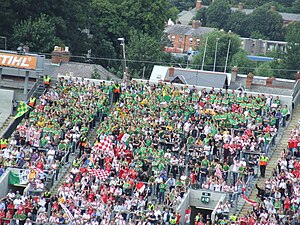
x=50, y=155
x=158, y=181
x=28, y=222
x=11, y=194
x=243, y=163
x=235, y=170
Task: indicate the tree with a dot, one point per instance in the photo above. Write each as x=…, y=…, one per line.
x=237, y=23
x=296, y=6
x=218, y=13
x=106, y=27
x=223, y=42
x=201, y=15
x=142, y=51
x=38, y=34
x=148, y=17
x=240, y=60
x=292, y=57
x=183, y=5
x=265, y=23
x=264, y=70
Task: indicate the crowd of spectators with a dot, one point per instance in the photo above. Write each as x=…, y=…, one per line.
x=279, y=200
x=163, y=138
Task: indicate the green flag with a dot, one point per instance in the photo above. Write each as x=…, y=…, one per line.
x=14, y=178
x=19, y=177
x=22, y=109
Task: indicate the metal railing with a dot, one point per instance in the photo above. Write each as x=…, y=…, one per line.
x=32, y=90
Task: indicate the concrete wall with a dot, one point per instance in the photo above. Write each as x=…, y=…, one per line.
x=4, y=183
x=183, y=205
x=6, y=98
x=6, y=107
x=193, y=198
x=96, y=81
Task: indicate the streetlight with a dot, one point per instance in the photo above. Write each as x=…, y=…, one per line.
x=122, y=40
x=5, y=40
x=216, y=50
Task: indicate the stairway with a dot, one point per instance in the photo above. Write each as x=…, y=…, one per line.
x=66, y=168
x=40, y=89
x=7, y=122
x=282, y=143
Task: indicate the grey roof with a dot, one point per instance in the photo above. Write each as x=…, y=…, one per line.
x=246, y=11
x=200, y=78
x=290, y=16
x=188, y=30
x=78, y=70
x=285, y=16
x=186, y=16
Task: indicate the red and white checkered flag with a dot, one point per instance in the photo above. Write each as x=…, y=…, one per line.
x=100, y=173
x=119, y=149
x=105, y=144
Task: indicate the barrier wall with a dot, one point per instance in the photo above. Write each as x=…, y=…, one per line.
x=193, y=198
x=4, y=183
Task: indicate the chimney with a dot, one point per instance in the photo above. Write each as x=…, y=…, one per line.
x=26, y=48
x=56, y=56
x=198, y=5
x=273, y=8
x=196, y=24
x=297, y=76
x=234, y=73
x=60, y=55
x=171, y=71
x=269, y=81
x=65, y=55
x=240, y=6
x=249, y=80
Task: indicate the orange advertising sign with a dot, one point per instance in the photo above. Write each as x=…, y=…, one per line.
x=18, y=61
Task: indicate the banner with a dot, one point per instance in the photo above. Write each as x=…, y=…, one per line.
x=18, y=61
x=24, y=176
x=14, y=178
x=22, y=109
x=21, y=177
x=67, y=212
x=251, y=202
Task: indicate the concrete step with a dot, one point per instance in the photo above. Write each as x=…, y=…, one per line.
x=7, y=122
x=281, y=144
x=66, y=169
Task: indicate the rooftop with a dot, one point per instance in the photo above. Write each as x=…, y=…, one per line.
x=279, y=86
x=220, y=80
x=185, y=17
x=78, y=70
x=180, y=29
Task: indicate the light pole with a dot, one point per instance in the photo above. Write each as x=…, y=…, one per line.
x=227, y=55
x=216, y=50
x=5, y=40
x=204, y=54
x=122, y=40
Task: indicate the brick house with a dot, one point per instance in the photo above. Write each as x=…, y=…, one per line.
x=186, y=37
